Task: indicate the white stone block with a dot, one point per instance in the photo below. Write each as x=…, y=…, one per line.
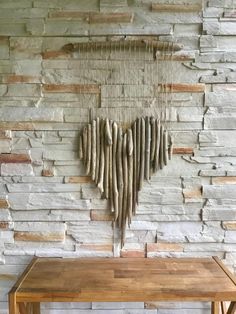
x=42, y=187
x=91, y=232
x=40, y=226
x=16, y=170
x=218, y=192
x=30, y=114
x=230, y=237
x=34, y=201
x=59, y=155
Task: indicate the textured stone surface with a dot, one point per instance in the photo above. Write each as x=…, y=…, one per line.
x=21, y=201
x=16, y=170
x=30, y=114
x=48, y=205
x=92, y=232
x=219, y=192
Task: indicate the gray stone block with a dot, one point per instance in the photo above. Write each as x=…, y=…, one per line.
x=35, y=201
x=218, y=192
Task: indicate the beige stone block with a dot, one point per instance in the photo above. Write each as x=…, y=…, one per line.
x=223, y=180
x=39, y=236
x=164, y=247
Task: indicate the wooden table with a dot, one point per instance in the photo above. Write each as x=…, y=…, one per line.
x=123, y=279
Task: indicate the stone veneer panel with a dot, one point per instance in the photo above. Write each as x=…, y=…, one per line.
x=48, y=206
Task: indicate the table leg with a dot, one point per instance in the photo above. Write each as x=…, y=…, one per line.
x=29, y=308
x=215, y=307
x=223, y=307
x=12, y=304
x=36, y=308
x=232, y=308
x=22, y=308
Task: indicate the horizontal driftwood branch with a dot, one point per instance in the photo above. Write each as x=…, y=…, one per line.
x=150, y=44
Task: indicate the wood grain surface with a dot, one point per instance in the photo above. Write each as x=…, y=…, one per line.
x=129, y=279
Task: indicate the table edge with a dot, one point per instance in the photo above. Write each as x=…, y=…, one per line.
x=229, y=274
x=19, y=282
x=22, y=277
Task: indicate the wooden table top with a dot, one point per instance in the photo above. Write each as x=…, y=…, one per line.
x=125, y=279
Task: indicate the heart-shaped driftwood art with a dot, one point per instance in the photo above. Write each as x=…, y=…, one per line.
x=120, y=160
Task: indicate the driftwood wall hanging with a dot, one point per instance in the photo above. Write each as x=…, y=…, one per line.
x=119, y=158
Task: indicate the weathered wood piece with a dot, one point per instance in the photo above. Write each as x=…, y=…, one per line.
x=94, y=142
x=102, y=158
x=107, y=141
x=142, y=154
x=153, y=140
x=165, y=147
x=130, y=148
x=98, y=146
x=147, y=148
x=171, y=146
x=85, y=139
x=126, y=44
x=110, y=192
x=161, y=151
x=138, y=153
x=120, y=180
x=89, y=149
x=108, y=135
x=125, y=191
x=114, y=171
x=81, y=152
x=134, y=134
x=157, y=147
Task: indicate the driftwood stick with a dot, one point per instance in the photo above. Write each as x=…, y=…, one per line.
x=153, y=140
x=102, y=159
x=134, y=133
x=106, y=171
x=114, y=171
x=165, y=147
x=171, y=146
x=157, y=147
x=98, y=146
x=142, y=154
x=125, y=178
x=89, y=149
x=93, y=157
x=81, y=153
x=120, y=180
x=147, y=148
x=108, y=135
x=110, y=190
x=161, y=156
x=138, y=153
x=85, y=139
x=126, y=44
x=107, y=143
x=130, y=148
